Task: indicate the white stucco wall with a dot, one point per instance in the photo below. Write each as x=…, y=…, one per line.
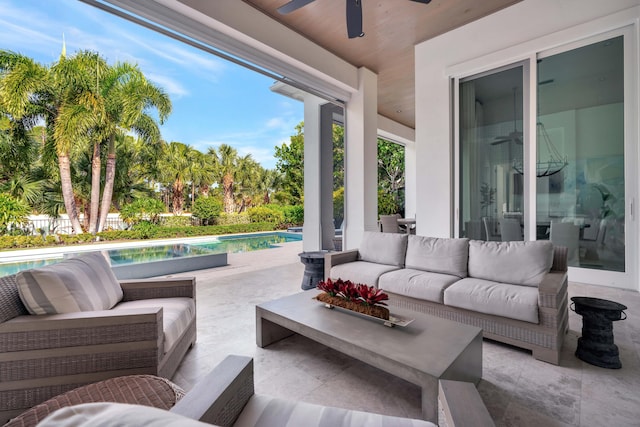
x=511, y=35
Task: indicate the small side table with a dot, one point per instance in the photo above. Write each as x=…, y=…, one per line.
x=596, y=344
x=313, y=268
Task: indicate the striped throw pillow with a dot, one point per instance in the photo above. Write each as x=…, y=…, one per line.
x=85, y=283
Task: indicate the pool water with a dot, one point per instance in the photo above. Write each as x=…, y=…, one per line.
x=142, y=254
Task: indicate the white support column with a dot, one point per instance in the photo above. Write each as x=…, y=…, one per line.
x=410, y=184
x=312, y=230
x=361, y=178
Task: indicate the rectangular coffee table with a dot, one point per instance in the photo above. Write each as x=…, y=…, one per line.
x=426, y=350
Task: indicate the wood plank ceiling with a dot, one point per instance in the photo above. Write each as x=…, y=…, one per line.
x=392, y=28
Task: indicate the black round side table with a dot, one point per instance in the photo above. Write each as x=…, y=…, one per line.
x=596, y=344
x=313, y=268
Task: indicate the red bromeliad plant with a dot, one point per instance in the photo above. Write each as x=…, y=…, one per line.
x=359, y=293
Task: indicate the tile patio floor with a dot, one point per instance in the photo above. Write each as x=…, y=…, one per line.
x=518, y=390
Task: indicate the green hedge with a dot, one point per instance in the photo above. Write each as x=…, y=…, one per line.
x=142, y=232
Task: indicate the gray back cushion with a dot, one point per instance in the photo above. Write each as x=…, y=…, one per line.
x=85, y=283
x=517, y=263
x=383, y=248
x=446, y=256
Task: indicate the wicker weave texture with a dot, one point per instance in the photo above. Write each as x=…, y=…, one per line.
x=10, y=303
x=135, y=294
x=234, y=406
x=145, y=390
x=26, y=369
x=74, y=337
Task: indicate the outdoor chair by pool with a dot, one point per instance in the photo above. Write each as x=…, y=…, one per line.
x=389, y=223
x=72, y=323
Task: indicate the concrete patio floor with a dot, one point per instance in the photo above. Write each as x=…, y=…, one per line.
x=517, y=389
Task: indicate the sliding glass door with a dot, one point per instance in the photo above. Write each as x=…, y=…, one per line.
x=491, y=202
x=541, y=154
x=581, y=200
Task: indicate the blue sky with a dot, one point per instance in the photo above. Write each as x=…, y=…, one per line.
x=214, y=101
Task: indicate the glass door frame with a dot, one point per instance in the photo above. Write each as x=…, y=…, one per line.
x=526, y=135
x=629, y=278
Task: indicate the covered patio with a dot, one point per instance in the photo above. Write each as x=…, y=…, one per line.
x=517, y=389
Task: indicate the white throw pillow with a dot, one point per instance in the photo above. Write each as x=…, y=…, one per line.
x=85, y=283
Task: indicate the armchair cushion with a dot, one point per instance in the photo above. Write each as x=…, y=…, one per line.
x=272, y=411
x=177, y=315
x=116, y=414
x=85, y=283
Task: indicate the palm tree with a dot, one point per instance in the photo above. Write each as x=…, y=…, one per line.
x=229, y=168
x=129, y=97
x=175, y=167
x=61, y=96
x=201, y=174
x=247, y=177
x=269, y=182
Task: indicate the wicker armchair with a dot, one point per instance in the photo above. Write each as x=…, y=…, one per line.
x=42, y=356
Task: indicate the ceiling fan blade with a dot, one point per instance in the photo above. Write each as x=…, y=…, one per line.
x=422, y=1
x=354, y=18
x=292, y=6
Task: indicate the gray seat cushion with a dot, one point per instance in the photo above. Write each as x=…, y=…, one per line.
x=271, y=411
x=417, y=284
x=500, y=299
x=438, y=255
x=383, y=248
x=518, y=263
x=177, y=315
x=361, y=272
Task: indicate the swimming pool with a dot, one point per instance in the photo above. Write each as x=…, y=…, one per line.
x=162, y=257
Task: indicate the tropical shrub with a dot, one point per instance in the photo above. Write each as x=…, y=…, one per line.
x=387, y=204
x=145, y=229
x=13, y=213
x=143, y=209
x=338, y=206
x=293, y=214
x=233, y=218
x=150, y=231
x=266, y=213
x=207, y=209
x=175, y=221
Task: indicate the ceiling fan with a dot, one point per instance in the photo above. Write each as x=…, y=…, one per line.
x=515, y=136
x=354, y=13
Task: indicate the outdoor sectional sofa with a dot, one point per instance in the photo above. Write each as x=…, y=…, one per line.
x=515, y=291
x=103, y=328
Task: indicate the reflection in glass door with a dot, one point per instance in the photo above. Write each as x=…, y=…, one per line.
x=580, y=154
x=491, y=201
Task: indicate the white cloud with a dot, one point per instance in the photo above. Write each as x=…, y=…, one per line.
x=171, y=86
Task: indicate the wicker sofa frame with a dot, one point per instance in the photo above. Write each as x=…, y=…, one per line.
x=43, y=356
x=544, y=339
